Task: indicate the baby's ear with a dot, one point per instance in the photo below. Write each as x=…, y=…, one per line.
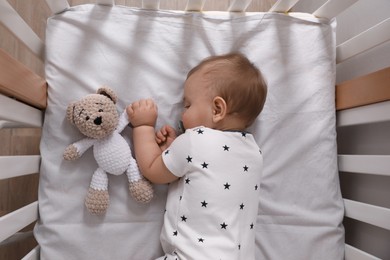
x=219, y=109
x=70, y=112
x=108, y=92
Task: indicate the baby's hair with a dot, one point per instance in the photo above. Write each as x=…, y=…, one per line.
x=238, y=81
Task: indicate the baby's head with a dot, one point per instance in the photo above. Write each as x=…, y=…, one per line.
x=224, y=92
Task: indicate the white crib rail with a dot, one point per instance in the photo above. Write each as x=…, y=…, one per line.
x=15, y=166
x=366, y=164
x=18, y=219
x=352, y=253
x=369, y=114
x=333, y=7
x=364, y=41
x=19, y=113
x=283, y=6
x=12, y=21
x=239, y=5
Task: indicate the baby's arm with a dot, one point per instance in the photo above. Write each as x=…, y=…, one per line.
x=143, y=115
x=165, y=136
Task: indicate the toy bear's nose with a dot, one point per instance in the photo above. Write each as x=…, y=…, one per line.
x=98, y=120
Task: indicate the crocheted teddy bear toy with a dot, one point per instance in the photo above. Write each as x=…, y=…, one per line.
x=96, y=117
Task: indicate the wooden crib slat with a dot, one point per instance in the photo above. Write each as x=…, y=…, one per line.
x=375, y=113
x=283, y=6
x=14, y=166
x=239, y=5
x=18, y=219
x=151, y=4
x=352, y=253
x=367, y=164
x=33, y=254
x=371, y=214
x=13, y=22
x=364, y=41
x=364, y=90
x=57, y=6
x=14, y=111
x=16, y=80
x=332, y=8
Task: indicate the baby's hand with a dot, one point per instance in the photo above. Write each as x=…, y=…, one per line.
x=165, y=136
x=142, y=112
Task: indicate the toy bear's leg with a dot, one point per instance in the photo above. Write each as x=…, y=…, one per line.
x=140, y=188
x=97, y=198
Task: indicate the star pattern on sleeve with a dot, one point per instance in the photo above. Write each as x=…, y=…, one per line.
x=189, y=159
x=226, y=148
x=200, y=131
x=204, y=204
x=245, y=168
x=205, y=165
x=227, y=186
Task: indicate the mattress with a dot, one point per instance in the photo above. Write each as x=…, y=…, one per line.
x=142, y=54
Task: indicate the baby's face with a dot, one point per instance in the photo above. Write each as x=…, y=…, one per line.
x=198, y=109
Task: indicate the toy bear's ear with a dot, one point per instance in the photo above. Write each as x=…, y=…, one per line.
x=70, y=112
x=106, y=91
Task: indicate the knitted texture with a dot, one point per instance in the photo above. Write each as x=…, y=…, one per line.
x=97, y=201
x=141, y=191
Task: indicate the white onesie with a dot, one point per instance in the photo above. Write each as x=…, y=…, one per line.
x=211, y=210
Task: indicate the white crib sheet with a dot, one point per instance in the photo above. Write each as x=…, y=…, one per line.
x=144, y=54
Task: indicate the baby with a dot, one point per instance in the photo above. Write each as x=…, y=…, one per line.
x=214, y=168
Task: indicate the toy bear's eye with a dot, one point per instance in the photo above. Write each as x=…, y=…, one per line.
x=87, y=118
x=100, y=110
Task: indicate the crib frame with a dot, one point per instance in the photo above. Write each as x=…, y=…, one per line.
x=360, y=101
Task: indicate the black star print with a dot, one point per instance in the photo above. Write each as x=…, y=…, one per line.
x=260, y=152
x=189, y=159
x=251, y=225
x=227, y=186
x=201, y=240
x=204, y=165
x=245, y=168
x=225, y=147
x=239, y=247
x=200, y=131
x=181, y=197
x=166, y=152
x=204, y=204
x=184, y=218
x=188, y=181
x=243, y=134
x=175, y=233
x=242, y=206
x=256, y=187
x=223, y=225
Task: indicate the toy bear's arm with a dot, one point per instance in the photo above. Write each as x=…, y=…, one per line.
x=77, y=149
x=123, y=121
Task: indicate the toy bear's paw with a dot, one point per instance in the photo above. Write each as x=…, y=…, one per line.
x=141, y=190
x=71, y=153
x=97, y=201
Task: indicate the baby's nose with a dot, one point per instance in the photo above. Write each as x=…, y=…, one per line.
x=98, y=120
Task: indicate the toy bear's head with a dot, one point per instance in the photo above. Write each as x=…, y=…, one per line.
x=95, y=115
